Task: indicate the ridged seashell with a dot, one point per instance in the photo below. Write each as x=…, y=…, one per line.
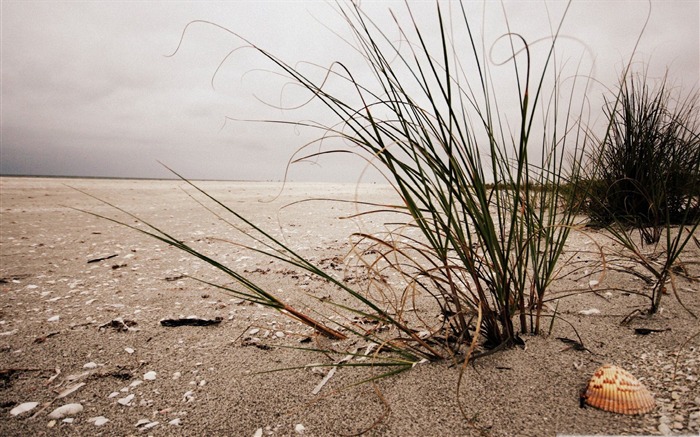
x=614, y=389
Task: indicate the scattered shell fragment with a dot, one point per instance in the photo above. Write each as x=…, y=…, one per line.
x=149, y=376
x=70, y=390
x=99, y=420
x=614, y=389
x=54, y=376
x=299, y=428
x=23, y=408
x=323, y=382
x=66, y=410
x=53, y=319
x=120, y=325
x=142, y=422
x=75, y=377
x=175, y=422
x=188, y=396
x=664, y=429
x=90, y=365
x=590, y=312
x=258, y=432
x=126, y=401
x=128, y=350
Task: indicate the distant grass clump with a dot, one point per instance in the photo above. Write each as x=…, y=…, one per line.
x=648, y=174
x=646, y=179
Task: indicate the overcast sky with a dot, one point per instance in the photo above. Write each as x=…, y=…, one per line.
x=87, y=90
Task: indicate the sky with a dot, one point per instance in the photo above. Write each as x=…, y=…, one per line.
x=87, y=88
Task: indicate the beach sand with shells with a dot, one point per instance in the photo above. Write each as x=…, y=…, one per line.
x=82, y=300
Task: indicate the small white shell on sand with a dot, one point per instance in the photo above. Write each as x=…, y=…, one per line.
x=90, y=365
x=188, y=396
x=151, y=425
x=299, y=428
x=149, y=376
x=253, y=331
x=53, y=319
x=99, y=420
x=279, y=334
x=128, y=350
x=114, y=394
x=177, y=375
x=142, y=422
x=593, y=282
x=127, y=400
x=51, y=424
x=66, y=410
x=135, y=383
x=175, y=422
x=258, y=432
x=23, y=408
x=68, y=420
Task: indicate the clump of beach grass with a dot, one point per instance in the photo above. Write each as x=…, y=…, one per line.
x=485, y=208
x=645, y=187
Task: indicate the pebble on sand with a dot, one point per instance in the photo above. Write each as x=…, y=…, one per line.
x=66, y=410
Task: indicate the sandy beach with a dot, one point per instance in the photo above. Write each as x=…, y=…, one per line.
x=82, y=300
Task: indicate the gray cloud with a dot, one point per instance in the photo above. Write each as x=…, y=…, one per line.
x=87, y=90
